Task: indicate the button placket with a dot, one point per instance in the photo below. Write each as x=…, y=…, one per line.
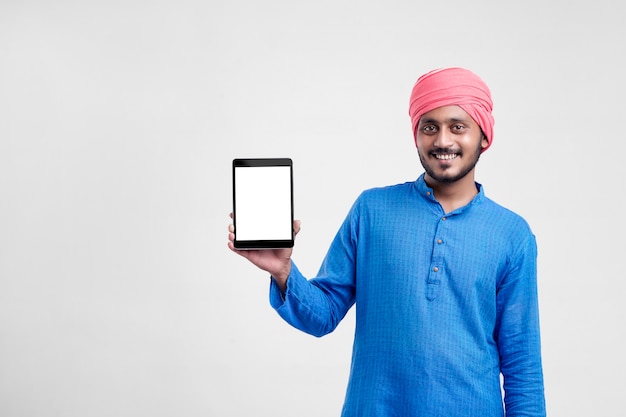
x=436, y=273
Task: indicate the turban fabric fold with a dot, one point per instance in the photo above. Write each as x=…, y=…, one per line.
x=453, y=86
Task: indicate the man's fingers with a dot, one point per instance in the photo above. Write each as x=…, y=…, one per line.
x=296, y=226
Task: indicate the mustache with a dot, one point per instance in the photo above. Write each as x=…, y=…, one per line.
x=446, y=151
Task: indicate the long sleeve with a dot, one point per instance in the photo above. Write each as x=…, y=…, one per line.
x=317, y=306
x=518, y=337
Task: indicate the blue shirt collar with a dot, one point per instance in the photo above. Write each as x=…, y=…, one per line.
x=428, y=194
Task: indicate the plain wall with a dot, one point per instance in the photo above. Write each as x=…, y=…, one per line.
x=118, y=124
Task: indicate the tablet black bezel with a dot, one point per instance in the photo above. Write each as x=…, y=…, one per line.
x=262, y=162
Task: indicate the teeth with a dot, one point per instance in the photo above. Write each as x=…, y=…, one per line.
x=446, y=156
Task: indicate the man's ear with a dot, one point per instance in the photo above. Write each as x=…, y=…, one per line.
x=484, y=142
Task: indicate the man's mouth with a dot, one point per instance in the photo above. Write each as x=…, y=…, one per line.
x=445, y=156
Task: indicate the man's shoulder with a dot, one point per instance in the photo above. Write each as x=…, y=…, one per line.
x=503, y=216
x=386, y=191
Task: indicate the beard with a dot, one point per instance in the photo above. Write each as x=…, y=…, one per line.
x=444, y=177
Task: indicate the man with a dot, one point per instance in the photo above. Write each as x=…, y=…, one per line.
x=443, y=279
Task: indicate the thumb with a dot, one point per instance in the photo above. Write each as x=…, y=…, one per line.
x=296, y=226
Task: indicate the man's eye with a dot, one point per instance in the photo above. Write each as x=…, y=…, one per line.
x=457, y=128
x=429, y=129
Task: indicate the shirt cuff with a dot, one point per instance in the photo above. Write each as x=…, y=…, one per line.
x=277, y=297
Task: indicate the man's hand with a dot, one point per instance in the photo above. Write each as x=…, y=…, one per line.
x=275, y=261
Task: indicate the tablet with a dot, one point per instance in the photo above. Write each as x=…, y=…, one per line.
x=263, y=203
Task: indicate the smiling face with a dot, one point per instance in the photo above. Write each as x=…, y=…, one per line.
x=449, y=143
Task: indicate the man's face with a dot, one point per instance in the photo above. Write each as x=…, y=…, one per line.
x=449, y=143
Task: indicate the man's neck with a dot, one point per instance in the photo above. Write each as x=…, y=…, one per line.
x=454, y=195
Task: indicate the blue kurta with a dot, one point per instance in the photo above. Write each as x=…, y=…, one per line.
x=444, y=304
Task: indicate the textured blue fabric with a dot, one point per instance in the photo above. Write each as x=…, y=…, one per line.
x=444, y=304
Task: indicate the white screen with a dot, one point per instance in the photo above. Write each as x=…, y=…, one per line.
x=263, y=203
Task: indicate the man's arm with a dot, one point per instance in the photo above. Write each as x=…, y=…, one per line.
x=313, y=306
x=518, y=336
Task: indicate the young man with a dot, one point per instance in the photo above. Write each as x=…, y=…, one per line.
x=443, y=278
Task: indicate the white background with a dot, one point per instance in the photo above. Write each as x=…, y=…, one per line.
x=118, y=124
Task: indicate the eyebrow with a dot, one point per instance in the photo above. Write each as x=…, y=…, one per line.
x=446, y=121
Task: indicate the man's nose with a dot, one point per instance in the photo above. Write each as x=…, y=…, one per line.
x=444, y=139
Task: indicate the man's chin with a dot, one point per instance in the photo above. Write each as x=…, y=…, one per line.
x=446, y=177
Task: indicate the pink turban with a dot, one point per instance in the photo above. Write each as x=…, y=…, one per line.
x=453, y=86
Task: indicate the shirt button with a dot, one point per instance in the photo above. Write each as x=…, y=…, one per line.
x=440, y=241
x=443, y=218
x=435, y=269
x=427, y=192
